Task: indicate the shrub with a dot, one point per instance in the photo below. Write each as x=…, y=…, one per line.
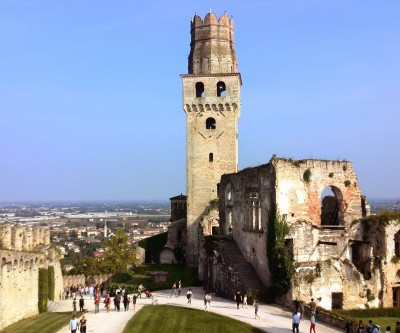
x=43, y=290
x=331, y=175
x=395, y=260
x=155, y=244
x=370, y=296
x=51, y=283
x=307, y=175
x=347, y=183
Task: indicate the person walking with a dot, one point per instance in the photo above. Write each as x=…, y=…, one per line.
x=173, y=290
x=117, y=301
x=134, y=298
x=179, y=287
x=81, y=304
x=313, y=306
x=312, y=323
x=255, y=304
x=82, y=324
x=189, y=295
x=140, y=290
x=73, y=324
x=207, y=301
x=295, y=322
x=244, y=301
x=107, y=302
x=301, y=309
x=96, y=304
x=74, y=305
x=126, y=302
x=238, y=298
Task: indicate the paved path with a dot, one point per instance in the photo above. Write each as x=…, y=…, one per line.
x=274, y=319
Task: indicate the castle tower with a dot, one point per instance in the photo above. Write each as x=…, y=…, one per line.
x=211, y=101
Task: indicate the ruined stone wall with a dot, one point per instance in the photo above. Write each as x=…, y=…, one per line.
x=19, y=238
x=237, y=193
x=76, y=280
x=299, y=197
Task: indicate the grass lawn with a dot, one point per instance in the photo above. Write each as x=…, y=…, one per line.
x=381, y=321
x=141, y=274
x=173, y=319
x=49, y=322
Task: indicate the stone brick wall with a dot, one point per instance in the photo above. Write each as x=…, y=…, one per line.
x=21, y=238
x=19, y=271
x=19, y=276
x=76, y=280
x=301, y=200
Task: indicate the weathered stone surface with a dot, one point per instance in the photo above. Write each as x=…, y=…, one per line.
x=19, y=271
x=211, y=101
x=332, y=254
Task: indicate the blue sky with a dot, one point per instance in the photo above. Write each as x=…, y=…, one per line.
x=90, y=92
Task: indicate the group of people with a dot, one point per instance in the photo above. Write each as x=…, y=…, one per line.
x=298, y=315
x=371, y=327
x=176, y=289
x=71, y=292
x=75, y=324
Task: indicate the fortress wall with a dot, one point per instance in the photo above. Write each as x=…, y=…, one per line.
x=19, y=238
x=19, y=275
x=75, y=280
x=59, y=281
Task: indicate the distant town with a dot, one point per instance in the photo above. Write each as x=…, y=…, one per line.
x=79, y=229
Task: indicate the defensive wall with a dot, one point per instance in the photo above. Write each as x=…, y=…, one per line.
x=23, y=251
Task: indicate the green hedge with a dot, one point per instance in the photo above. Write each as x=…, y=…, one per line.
x=51, y=283
x=43, y=289
x=154, y=244
x=362, y=313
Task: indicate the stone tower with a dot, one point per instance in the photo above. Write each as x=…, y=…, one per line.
x=211, y=101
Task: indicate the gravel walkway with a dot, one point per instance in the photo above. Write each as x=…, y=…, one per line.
x=273, y=319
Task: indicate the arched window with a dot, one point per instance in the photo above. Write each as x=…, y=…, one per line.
x=199, y=89
x=331, y=199
x=210, y=157
x=210, y=123
x=221, y=89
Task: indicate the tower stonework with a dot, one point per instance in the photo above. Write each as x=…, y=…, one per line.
x=211, y=101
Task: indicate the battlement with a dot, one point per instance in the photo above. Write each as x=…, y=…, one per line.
x=20, y=238
x=212, y=47
x=211, y=19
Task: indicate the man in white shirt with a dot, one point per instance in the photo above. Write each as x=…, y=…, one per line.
x=295, y=322
x=73, y=324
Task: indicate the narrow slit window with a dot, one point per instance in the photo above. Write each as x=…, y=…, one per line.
x=210, y=157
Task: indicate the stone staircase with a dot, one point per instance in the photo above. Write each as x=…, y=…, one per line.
x=242, y=271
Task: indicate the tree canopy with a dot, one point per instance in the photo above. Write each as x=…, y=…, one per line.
x=118, y=255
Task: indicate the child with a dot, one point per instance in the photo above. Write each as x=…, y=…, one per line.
x=255, y=304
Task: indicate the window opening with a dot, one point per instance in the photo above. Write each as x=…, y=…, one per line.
x=210, y=157
x=331, y=199
x=397, y=244
x=221, y=89
x=199, y=89
x=210, y=123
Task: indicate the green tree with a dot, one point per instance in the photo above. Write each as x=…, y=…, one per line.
x=118, y=253
x=279, y=258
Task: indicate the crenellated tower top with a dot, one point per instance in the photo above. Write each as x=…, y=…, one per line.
x=212, y=48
